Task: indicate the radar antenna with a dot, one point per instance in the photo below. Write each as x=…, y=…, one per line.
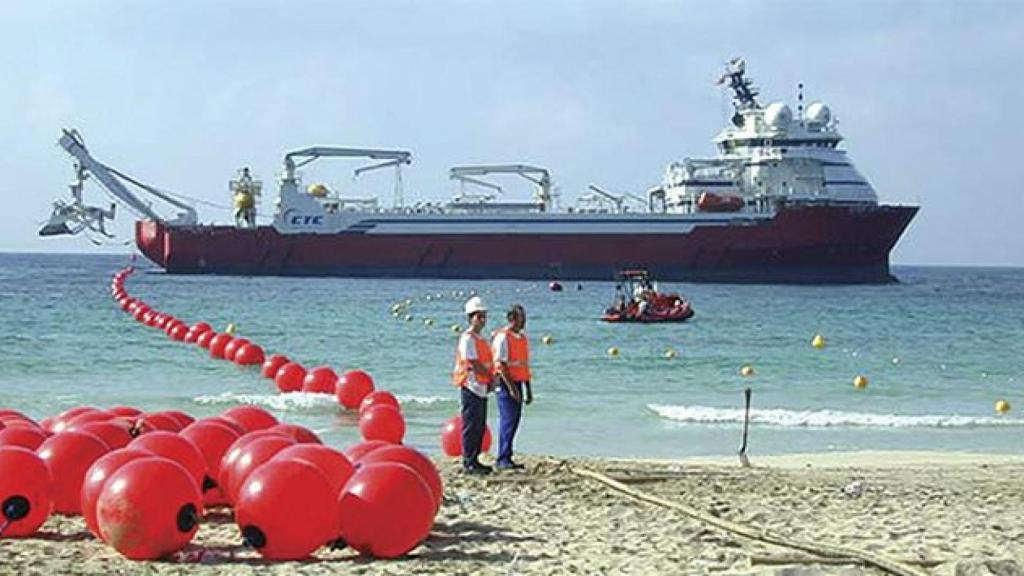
x=744, y=91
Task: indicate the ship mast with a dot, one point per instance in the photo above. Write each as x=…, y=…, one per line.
x=744, y=92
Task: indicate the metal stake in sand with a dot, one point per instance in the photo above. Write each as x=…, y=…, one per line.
x=746, y=424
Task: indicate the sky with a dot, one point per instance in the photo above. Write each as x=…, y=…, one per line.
x=181, y=94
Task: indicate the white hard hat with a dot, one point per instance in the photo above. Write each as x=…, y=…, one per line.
x=475, y=304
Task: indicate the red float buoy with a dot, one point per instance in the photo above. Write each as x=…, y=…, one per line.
x=387, y=509
x=204, y=339
x=96, y=476
x=352, y=387
x=238, y=465
x=218, y=345
x=178, y=332
x=200, y=327
x=355, y=452
x=321, y=379
x=90, y=416
x=183, y=418
x=414, y=459
x=60, y=421
x=286, y=510
x=289, y=377
x=232, y=348
x=125, y=411
x=379, y=398
x=382, y=423
x=451, y=437
x=68, y=455
x=212, y=437
x=115, y=435
x=151, y=421
x=139, y=525
x=249, y=355
x=22, y=436
x=272, y=364
x=300, y=434
x=251, y=418
x=335, y=466
x=26, y=492
x=179, y=449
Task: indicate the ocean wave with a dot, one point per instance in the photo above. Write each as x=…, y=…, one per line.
x=281, y=402
x=426, y=400
x=825, y=418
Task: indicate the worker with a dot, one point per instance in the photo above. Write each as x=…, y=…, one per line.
x=511, y=350
x=474, y=377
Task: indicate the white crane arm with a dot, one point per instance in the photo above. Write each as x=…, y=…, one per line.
x=71, y=141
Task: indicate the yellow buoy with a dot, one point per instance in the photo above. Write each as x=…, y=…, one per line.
x=547, y=339
x=670, y=354
x=860, y=381
x=428, y=322
x=456, y=328
x=1002, y=406
x=818, y=341
x=230, y=330
x=613, y=351
x=747, y=370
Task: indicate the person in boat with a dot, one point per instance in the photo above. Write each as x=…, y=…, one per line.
x=643, y=304
x=511, y=351
x=474, y=369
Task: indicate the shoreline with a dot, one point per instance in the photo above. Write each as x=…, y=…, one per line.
x=876, y=459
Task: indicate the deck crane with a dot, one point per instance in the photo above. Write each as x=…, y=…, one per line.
x=539, y=176
x=619, y=201
x=395, y=158
x=75, y=216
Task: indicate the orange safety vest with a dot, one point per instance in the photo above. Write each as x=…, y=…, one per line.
x=463, y=367
x=518, y=355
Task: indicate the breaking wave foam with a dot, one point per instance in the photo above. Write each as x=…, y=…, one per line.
x=283, y=402
x=425, y=400
x=824, y=418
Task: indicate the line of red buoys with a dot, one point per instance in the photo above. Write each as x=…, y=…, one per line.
x=143, y=480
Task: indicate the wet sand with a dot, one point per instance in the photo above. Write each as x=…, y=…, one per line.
x=934, y=513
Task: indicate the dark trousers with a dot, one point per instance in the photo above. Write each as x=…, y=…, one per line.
x=509, y=414
x=474, y=419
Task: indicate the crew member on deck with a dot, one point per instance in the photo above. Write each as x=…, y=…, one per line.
x=474, y=377
x=511, y=350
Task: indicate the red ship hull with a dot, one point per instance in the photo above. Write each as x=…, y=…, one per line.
x=809, y=244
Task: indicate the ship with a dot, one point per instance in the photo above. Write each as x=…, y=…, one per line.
x=780, y=203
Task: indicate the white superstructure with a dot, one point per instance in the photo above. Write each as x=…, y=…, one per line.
x=768, y=157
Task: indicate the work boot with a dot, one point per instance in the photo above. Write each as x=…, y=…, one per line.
x=477, y=469
x=509, y=465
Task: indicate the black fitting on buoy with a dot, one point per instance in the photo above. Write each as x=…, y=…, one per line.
x=188, y=517
x=208, y=484
x=254, y=537
x=15, y=508
x=339, y=544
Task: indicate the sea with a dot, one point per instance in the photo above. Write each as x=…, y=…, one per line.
x=938, y=349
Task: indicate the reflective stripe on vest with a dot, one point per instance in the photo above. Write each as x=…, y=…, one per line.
x=463, y=367
x=518, y=355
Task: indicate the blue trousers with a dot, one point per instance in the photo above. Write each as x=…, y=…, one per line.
x=474, y=419
x=509, y=414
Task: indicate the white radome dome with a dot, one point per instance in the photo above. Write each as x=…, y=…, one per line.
x=778, y=115
x=817, y=114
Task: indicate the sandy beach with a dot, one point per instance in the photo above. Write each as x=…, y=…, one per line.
x=933, y=513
